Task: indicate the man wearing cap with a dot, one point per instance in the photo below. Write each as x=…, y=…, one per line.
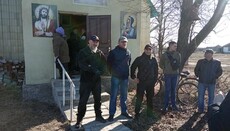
x=146, y=78
x=61, y=49
x=208, y=70
x=92, y=65
x=118, y=63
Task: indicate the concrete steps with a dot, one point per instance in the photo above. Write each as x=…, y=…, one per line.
x=89, y=120
x=57, y=91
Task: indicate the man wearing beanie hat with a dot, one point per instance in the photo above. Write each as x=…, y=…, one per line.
x=208, y=70
x=61, y=49
x=60, y=31
x=146, y=78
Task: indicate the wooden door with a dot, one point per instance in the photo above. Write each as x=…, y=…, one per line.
x=100, y=25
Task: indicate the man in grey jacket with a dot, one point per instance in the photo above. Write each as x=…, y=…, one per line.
x=208, y=70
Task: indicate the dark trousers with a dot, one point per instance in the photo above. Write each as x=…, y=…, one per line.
x=143, y=87
x=85, y=90
x=65, y=65
x=73, y=64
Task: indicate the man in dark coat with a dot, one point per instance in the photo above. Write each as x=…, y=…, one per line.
x=208, y=70
x=61, y=49
x=73, y=43
x=118, y=62
x=146, y=78
x=92, y=65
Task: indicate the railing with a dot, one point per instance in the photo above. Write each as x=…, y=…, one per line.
x=72, y=86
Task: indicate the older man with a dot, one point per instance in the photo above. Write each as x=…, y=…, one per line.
x=208, y=70
x=92, y=64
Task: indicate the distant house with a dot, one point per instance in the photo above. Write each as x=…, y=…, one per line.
x=226, y=49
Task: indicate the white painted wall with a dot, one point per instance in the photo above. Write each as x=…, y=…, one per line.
x=38, y=51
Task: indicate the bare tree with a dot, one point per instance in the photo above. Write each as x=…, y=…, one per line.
x=166, y=24
x=188, y=14
x=194, y=18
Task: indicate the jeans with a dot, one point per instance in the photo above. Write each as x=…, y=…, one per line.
x=116, y=84
x=85, y=90
x=170, y=89
x=201, y=92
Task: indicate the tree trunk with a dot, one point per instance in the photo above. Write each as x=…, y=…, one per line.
x=186, y=48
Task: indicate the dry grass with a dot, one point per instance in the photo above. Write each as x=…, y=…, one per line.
x=16, y=115
x=187, y=119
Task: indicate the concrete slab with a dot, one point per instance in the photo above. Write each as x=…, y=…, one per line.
x=90, y=124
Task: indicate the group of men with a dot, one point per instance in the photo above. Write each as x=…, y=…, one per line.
x=143, y=71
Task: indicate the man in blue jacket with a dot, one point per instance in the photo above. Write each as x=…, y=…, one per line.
x=208, y=70
x=118, y=63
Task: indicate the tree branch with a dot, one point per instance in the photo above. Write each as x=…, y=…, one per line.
x=210, y=25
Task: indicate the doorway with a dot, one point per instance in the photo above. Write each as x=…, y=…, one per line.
x=99, y=25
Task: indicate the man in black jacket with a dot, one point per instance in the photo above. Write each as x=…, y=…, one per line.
x=208, y=70
x=92, y=64
x=146, y=78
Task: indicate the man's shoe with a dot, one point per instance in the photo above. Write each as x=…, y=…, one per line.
x=200, y=111
x=78, y=126
x=164, y=110
x=175, y=109
x=110, y=118
x=127, y=115
x=100, y=119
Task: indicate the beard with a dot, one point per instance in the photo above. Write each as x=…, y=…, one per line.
x=44, y=16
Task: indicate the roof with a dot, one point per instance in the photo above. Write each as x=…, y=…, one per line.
x=227, y=45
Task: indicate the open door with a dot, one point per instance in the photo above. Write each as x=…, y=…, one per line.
x=100, y=25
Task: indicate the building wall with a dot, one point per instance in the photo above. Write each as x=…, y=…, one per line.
x=11, y=42
x=39, y=52
x=226, y=50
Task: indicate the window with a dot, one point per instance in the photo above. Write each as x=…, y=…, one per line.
x=91, y=2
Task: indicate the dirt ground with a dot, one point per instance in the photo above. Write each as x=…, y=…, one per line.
x=16, y=115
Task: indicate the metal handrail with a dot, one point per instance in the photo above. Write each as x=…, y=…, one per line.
x=72, y=86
